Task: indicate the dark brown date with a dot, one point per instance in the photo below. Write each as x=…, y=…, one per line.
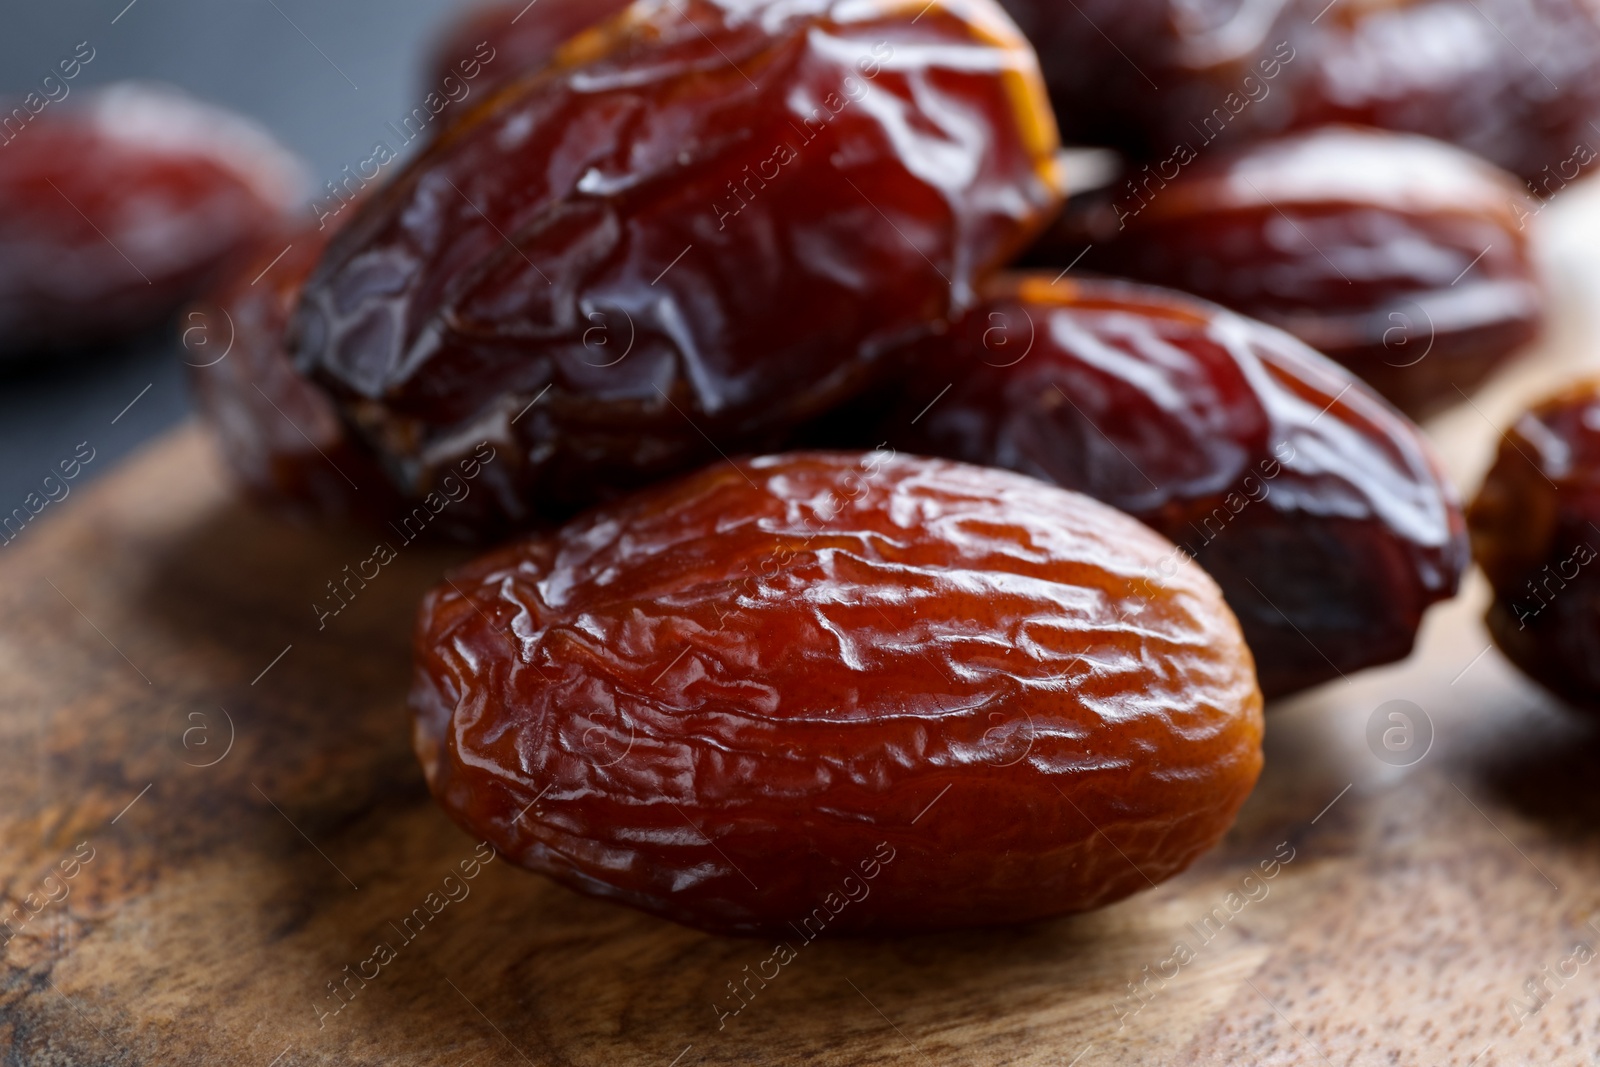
x=279, y=432
x=284, y=437
x=1403, y=258
x=118, y=207
x=1534, y=533
x=1515, y=81
x=1321, y=512
x=497, y=43
x=845, y=692
x=698, y=229
x=1147, y=75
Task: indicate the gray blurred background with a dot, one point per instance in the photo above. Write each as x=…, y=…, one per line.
x=323, y=75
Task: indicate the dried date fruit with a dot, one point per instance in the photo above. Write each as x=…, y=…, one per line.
x=1147, y=75
x=699, y=228
x=284, y=437
x=1516, y=81
x=1534, y=533
x=1320, y=511
x=280, y=433
x=497, y=43
x=845, y=691
x=1401, y=257
x=119, y=207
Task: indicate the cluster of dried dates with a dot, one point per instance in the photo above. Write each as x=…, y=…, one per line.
x=992, y=612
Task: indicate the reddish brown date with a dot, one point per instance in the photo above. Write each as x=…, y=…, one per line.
x=497, y=43
x=1535, y=534
x=1321, y=512
x=705, y=224
x=1515, y=81
x=849, y=692
x=119, y=207
x=1403, y=258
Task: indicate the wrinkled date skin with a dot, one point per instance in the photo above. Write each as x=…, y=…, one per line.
x=1401, y=257
x=119, y=207
x=1515, y=81
x=851, y=692
x=1534, y=533
x=498, y=43
x=284, y=437
x=704, y=223
x=279, y=432
x=1321, y=513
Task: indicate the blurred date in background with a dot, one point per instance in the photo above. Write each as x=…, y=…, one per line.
x=320, y=77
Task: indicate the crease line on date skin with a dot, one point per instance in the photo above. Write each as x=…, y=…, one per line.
x=506, y=634
x=707, y=839
x=514, y=246
x=1095, y=827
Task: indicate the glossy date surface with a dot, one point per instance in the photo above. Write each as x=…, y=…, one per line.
x=852, y=692
x=517, y=37
x=280, y=433
x=1536, y=534
x=1320, y=511
x=1403, y=258
x=120, y=205
x=702, y=225
x=1515, y=81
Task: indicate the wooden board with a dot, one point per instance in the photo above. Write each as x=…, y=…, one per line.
x=233, y=794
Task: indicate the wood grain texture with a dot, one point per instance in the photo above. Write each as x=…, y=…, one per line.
x=217, y=907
